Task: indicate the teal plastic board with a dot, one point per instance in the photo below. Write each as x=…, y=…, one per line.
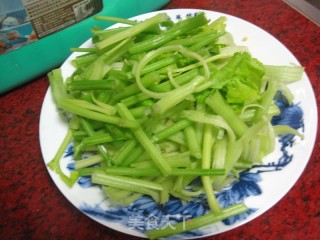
x=37, y=58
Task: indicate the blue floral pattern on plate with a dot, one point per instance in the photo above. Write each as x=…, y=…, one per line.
x=145, y=213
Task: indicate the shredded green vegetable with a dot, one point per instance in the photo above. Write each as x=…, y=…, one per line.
x=158, y=104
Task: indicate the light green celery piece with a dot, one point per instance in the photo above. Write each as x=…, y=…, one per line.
x=133, y=156
x=286, y=92
x=197, y=222
x=134, y=99
x=181, y=79
x=192, y=141
x=99, y=35
x=226, y=40
x=200, y=107
x=168, y=147
x=285, y=129
x=182, y=27
x=174, y=164
x=178, y=138
x=75, y=108
x=214, y=120
x=145, y=142
x=97, y=139
x=171, y=130
x=209, y=40
x=219, y=153
x=252, y=134
x=107, y=108
x=125, y=150
x=119, y=194
x=54, y=164
x=233, y=154
x=90, y=132
x=177, y=160
x=178, y=185
x=254, y=150
x=285, y=74
x=154, y=172
x=175, y=112
x=95, y=71
x=141, y=111
x=176, y=96
x=242, y=164
x=208, y=140
x=56, y=84
x=127, y=183
x=83, y=50
x=218, y=24
x=148, y=80
x=84, y=60
x=112, y=55
x=166, y=50
x=192, y=39
x=158, y=65
x=220, y=107
x=248, y=112
x=230, y=50
x=267, y=140
x=88, y=161
x=115, y=19
x=266, y=101
x=121, y=197
x=90, y=106
x=206, y=60
x=90, y=85
x=132, y=31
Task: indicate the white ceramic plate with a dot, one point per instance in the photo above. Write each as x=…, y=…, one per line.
x=260, y=188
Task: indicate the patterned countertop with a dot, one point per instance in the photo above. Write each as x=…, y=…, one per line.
x=32, y=207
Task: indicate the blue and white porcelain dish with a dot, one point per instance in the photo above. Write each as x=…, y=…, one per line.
x=259, y=188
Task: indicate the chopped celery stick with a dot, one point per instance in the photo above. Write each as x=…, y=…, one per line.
x=147, y=80
x=146, y=143
x=205, y=164
x=133, y=156
x=97, y=139
x=171, y=130
x=178, y=29
x=121, y=197
x=175, y=163
x=192, y=141
x=88, y=161
x=266, y=101
x=75, y=108
x=220, y=107
x=121, y=182
x=120, y=155
x=197, y=222
x=83, y=49
x=91, y=85
x=90, y=132
x=54, y=164
x=287, y=74
x=131, y=31
x=57, y=86
x=214, y=120
x=219, y=153
x=153, y=172
x=284, y=129
x=114, y=19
